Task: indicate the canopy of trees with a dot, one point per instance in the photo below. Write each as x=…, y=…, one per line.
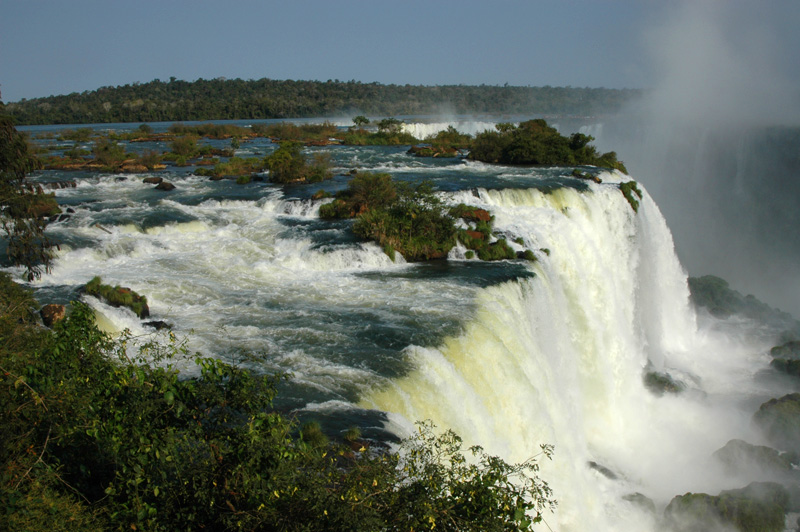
x=220, y=99
x=534, y=142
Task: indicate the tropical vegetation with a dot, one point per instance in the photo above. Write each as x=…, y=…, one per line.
x=287, y=164
x=221, y=99
x=535, y=143
x=23, y=207
x=413, y=221
x=102, y=434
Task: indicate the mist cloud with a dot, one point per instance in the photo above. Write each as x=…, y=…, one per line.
x=716, y=142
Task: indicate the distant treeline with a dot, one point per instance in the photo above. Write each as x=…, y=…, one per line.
x=221, y=99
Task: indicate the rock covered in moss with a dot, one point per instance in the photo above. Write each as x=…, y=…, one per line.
x=780, y=421
x=786, y=358
x=661, y=383
x=118, y=296
x=433, y=151
x=52, y=314
x=760, y=507
x=742, y=458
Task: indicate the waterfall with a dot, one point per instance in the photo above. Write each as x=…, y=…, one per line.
x=422, y=130
x=559, y=358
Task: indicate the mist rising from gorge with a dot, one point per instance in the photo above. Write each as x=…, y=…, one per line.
x=717, y=143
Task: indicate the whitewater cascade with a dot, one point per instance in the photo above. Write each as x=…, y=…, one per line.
x=559, y=358
x=422, y=130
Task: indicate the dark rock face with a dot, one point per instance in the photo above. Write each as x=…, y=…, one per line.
x=786, y=358
x=760, y=507
x=780, y=421
x=741, y=458
x=52, y=314
x=433, y=151
x=153, y=180
x=158, y=325
x=165, y=185
x=61, y=184
x=661, y=383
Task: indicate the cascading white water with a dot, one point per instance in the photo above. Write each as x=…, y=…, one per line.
x=422, y=130
x=559, y=358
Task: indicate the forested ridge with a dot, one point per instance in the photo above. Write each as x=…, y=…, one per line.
x=228, y=99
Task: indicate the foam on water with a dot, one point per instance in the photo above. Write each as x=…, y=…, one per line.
x=422, y=130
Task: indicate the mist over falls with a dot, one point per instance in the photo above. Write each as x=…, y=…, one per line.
x=716, y=140
x=730, y=196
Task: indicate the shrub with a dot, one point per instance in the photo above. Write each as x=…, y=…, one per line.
x=499, y=250
x=629, y=188
x=319, y=169
x=185, y=147
x=108, y=152
x=450, y=138
x=365, y=191
x=379, y=138
x=287, y=164
x=150, y=159
x=414, y=224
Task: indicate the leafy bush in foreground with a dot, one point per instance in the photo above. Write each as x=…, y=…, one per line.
x=98, y=434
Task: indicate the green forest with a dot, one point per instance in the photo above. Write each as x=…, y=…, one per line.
x=224, y=99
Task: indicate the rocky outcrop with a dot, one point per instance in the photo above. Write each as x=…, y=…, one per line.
x=158, y=325
x=471, y=214
x=780, y=421
x=165, y=185
x=118, y=296
x=57, y=185
x=52, y=314
x=153, y=180
x=661, y=383
x=433, y=151
x=760, y=507
x=744, y=459
x=586, y=175
x=786, y=358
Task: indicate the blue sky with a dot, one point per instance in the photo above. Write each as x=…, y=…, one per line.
x=59, y=46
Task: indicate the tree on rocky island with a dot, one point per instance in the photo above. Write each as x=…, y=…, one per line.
x=535, y=143
x=360, y=121
x=287, y=164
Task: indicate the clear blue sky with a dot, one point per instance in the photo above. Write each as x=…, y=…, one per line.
x=63, y=46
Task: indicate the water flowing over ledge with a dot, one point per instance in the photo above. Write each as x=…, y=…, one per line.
x=559, y=358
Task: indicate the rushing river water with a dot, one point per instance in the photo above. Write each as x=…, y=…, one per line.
x=509, y=354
